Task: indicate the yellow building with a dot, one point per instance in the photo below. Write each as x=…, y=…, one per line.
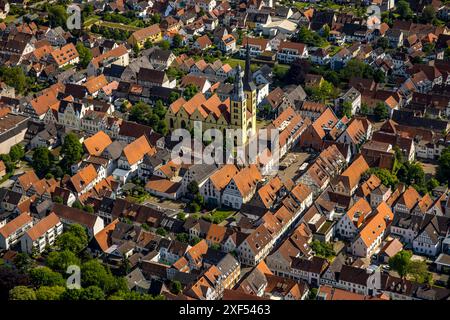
x=236, y=112
x=152, y=33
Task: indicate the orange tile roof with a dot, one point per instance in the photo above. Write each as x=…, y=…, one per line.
x=45, y=101
x=116, y=52
x=223, y=176
x=103, y=236
x=27, y=179
x=162, y=185
x=96, y=83
x=361, y=207
x=247, y=179
x=44, y=225
x=65, y=54
x=376, y=225
x=262, y=266
x=83, y=177
x=146, y=32
x=351, y=176
x=409, y=198
x=137, y=149
x=96, y=144
x=15, y=224
x=268, y=192
x=216, y=233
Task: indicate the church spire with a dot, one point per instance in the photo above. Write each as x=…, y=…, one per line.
x=238, y=91
x=248, y=81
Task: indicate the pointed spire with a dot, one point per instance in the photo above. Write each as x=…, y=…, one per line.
x=248, y=81
x=238, y=91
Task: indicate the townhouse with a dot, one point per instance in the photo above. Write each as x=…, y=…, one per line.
x=132, y=158
x=42, y=234
x=212, y=190
x=152, y=33
x=69, y=216
x=288, y=52
x=371, y=235
x=12, y=231
x=241, y=187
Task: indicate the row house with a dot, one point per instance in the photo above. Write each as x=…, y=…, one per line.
x=371, y=235
x=12, y=231
x=327, y=165
x=256, y=47
x=68, y=216
x=133, y=155
x=41, y=235
x=425, y=234
x=288, y=52
x=291, y=126
x=241, y=187
x=212, y=190
x=349, y=180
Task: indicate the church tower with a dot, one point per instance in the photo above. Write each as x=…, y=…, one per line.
x=250, y=94
x=238, y=106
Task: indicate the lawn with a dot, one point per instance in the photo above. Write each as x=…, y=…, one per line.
x=234, y=62
x=114, y=25
x=9, y=19
x=218, y=215
x=91, y=20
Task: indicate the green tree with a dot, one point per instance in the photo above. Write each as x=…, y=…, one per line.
x=14, y=77
x=387, y=178
x=381, y=111
x=92, y=293
x=404, y=10
x=323, y=249
x=85, y=55
x=412, y=173
x=177, y=41
x=50, y=293
x=401, y=262
x=44, y=276
x=72, y=149
x=443, y=170
x=22, y=293
x=189, y=91
x=58, y=199
x=347, y=109
x=161, y=231
x=176, y=287
x=183, y=237
x=23, y=262
x=57, y=16
x=77, y=205
x=383, y=43
x=428, y=14
x=181, y=215
x=193, y=187
x=165, y=45
x=42, y=161
x=16, y=152
x=148, y=44
x=72, y=294
x=60, y=260
x=93, y=273
x=75, y=239
x=364, y=109
x=174, y=96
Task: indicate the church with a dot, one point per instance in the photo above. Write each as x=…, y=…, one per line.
x=236, y=112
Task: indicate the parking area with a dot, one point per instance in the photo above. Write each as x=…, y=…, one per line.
x=293, y=164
